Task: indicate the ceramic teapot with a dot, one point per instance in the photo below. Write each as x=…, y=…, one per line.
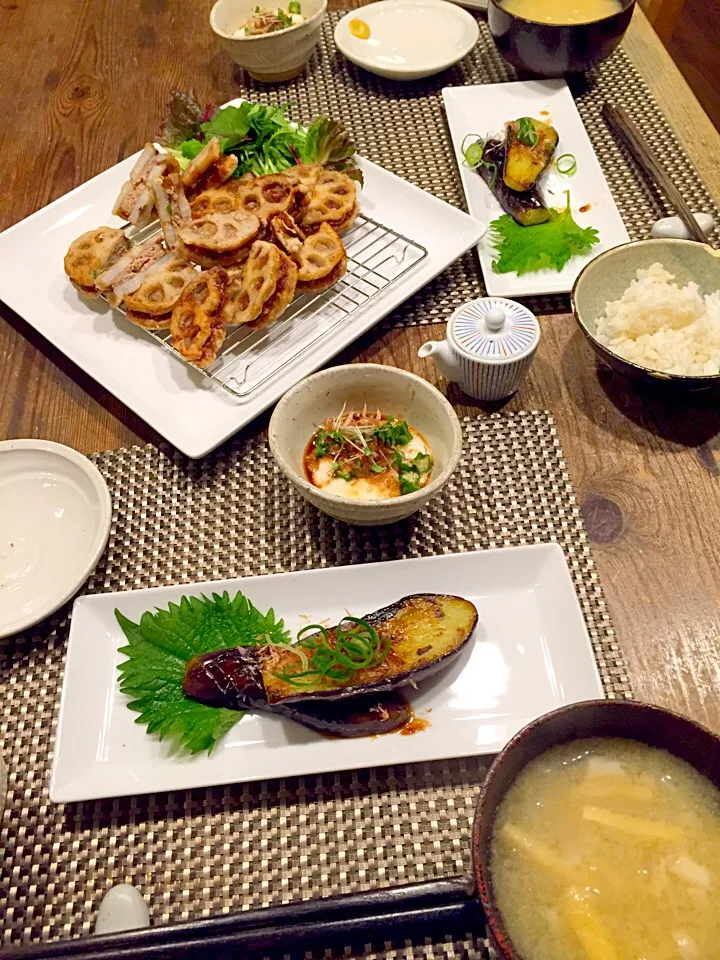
x=489, y=347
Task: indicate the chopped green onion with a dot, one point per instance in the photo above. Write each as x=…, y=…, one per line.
x=357, y=646
x=566, y=165
x=294, y=7
x=527, y=133
x=473, y=155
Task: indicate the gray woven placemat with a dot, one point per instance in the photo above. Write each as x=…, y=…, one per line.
x=402, y=126
x=199, y=852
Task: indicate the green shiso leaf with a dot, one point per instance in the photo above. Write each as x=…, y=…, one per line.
x=161, y=644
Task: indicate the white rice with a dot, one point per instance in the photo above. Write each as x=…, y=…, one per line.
x=661, y=325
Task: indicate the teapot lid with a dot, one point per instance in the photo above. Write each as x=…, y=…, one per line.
x=494, y=329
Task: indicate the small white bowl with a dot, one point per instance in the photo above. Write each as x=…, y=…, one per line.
x=394, y=392
x=55, y=513
x=409, y=39
x=272, y=57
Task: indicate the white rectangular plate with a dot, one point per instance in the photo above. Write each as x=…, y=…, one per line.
x=484, y=110
x=530, y=654
x=186, y=408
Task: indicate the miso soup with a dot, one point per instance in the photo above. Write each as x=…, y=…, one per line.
x=607, y=849
x=563, y=12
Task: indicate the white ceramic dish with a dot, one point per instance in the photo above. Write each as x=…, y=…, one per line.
x=409, y=39
x=186, y=408
x=394, y=392
x=270, y=57
x=55, y=513
x=531, y=653
x=484, y=110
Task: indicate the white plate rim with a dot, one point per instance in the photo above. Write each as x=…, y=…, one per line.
x=156, y=596
x=400, y=72
x=100, y=537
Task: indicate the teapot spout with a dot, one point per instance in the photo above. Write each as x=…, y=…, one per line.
x=440, y=352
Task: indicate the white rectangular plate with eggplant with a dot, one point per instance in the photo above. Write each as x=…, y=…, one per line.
x=528, y=653
x=480, y=114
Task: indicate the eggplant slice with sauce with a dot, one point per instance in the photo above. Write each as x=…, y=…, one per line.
x=363, y=716
x=528, y=208
x=525, y=160
x=423, y=632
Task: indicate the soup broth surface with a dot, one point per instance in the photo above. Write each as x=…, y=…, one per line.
x=608, y=849
x=563, y=12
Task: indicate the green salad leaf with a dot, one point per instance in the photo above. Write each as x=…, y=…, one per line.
x=161, y=644
x=527, y=249
x=329, y=143
x=262, y=137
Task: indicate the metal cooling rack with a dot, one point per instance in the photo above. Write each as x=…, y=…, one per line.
x=377, y=257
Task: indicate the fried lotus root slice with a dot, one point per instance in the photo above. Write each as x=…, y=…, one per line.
x=286, y=234
x=282, y=294
x=264, y=196
x=250, y=291
x=305, y=176
x=92, y=253
x=199, y=165
x=322, y=260
x=215, y=200
x=148, y=322
x=334, y=201
x=158, y=294
x=197, y=325
x=220, y=232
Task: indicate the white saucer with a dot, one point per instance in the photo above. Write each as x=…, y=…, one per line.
x=409, y=39
x=55, y=513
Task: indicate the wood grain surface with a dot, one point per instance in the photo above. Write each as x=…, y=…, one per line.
x=82, y=84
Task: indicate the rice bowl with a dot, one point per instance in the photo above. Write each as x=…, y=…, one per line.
x=663, y=326
x=607, y=278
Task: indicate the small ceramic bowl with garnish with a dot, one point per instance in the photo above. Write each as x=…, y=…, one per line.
x=365, y=443
x=272, y=44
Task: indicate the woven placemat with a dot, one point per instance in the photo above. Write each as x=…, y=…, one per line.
x=199, y=852
x=402, y=126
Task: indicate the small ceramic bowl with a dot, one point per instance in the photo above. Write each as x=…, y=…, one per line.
x=551, y=50
x=396, y=393
x=55, y=514
x=272, y=57
x=407, y=39
x=592, y=718
x=609, y=275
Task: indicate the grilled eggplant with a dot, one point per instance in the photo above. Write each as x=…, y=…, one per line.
x=526, y=208
x=529, y=146
x=363, y=716
x=422, y=633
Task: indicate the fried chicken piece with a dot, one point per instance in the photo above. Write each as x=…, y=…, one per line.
x=136, y=200
x=197, y=324
x=91, y=254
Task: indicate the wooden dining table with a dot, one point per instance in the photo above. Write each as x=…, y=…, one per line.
x=82, y=84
